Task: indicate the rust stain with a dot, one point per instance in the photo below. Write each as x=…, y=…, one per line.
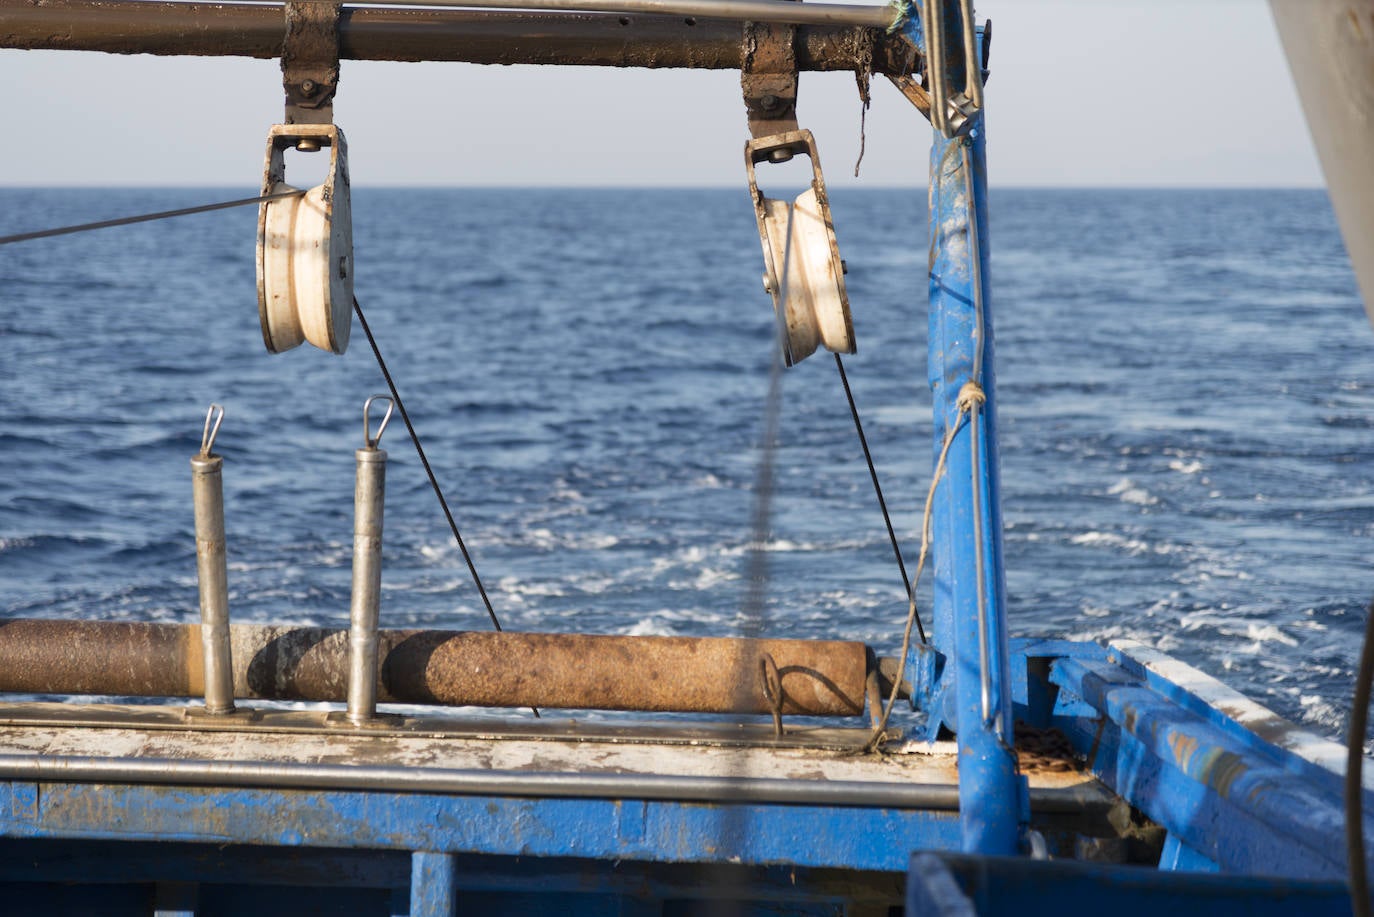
x=681, y=674
x=1183, y=748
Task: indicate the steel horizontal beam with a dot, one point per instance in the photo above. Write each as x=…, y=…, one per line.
x=611, y=828
x=479, y=37
x=452, y=668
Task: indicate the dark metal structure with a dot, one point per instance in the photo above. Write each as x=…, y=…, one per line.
x=472, y=36
x=1120, y=755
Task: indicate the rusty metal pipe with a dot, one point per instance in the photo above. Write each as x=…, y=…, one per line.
x=815, y=13
x=480, y=37
x=451, y=668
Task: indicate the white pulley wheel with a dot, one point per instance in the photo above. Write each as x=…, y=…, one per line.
x=812, y=300
x=802, y=267
x=305, y=262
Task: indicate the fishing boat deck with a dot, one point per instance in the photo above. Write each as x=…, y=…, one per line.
x=713, y=760
x=645, y=811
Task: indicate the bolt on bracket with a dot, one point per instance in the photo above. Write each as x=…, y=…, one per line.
x=768, y=76
x=310, y=62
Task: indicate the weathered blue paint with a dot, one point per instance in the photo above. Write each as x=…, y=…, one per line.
x=941, y=885
x=1216, y=793
x=847, y=838
x=433, y=885
x=1253, y=743
x=967, y=517
x=1179, y=857
x=1034, y=699
x=924, y=667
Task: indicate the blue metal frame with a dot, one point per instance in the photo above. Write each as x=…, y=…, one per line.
x=973, y=696
x=613, y=829
x=1230, y=801
x=448, y=842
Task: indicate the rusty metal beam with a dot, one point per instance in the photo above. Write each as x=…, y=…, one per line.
x=452, y=668
x=585, y=39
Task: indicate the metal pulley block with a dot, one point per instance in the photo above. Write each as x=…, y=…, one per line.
x=802, y=267
x=305, y=247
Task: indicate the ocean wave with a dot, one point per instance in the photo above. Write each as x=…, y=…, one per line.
x=1129, y=492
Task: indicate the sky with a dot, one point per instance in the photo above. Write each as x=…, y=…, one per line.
x=1144, y=93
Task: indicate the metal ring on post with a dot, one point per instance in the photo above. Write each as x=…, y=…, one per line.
x=213, y=418
x=772, y=689
x=370, y=441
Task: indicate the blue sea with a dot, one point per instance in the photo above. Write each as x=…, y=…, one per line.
x=1186, y=396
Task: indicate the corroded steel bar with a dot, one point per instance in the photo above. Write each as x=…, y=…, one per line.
x=1083, y=799
x=403, y=779
x=454, y=668
x=480, y=37
x=785, y=11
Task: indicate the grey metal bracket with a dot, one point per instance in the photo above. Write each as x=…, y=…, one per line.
x=310, y=61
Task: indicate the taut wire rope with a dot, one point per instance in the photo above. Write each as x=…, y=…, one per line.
x=146, y=217
x=429, y=472
x=878, y=489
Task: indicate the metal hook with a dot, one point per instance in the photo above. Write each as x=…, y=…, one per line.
x=772, y=690
x=212, y=422
x=368, y=438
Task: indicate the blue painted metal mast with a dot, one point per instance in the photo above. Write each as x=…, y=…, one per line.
x=966, y=526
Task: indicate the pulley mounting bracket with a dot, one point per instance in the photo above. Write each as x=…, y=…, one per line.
x=768, y=76
x=310, y=62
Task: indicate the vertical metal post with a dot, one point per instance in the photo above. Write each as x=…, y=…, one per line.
x=368, y=501
x=970, y=592
x=433, y=885
x=211, y=570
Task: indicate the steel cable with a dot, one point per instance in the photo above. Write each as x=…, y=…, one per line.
x=907, y=585
x=146, y=217
x=433, y=481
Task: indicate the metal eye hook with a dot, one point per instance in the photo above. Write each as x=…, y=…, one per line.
x=213, y=418
x=772, y=689
x=368, y=438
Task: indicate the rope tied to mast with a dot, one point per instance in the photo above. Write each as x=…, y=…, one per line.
x=971, y=398
x=968, y=402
